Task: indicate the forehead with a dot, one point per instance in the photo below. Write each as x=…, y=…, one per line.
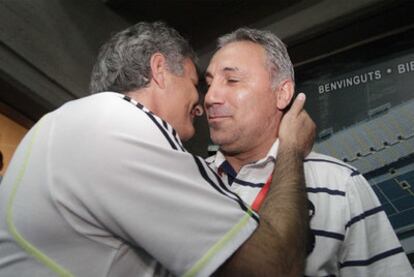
x=241, y=54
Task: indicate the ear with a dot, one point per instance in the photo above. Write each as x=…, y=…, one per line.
x=158, y=65
x=284, y=94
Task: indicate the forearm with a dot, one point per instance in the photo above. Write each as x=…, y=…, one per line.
x=277, y=248
x=285, y=212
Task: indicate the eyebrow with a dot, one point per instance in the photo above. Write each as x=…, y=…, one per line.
x=226, y=69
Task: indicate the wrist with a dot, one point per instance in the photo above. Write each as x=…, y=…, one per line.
x=291, y=148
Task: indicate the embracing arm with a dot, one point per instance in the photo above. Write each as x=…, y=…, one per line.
x=278, y=246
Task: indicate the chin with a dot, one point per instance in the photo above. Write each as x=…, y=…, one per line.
x=219, y=140
x=226, y=141
x=229, y=149
x=187, y=135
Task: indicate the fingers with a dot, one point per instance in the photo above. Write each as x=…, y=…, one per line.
x=309, y=127
x=297, y=129
x=298, y=104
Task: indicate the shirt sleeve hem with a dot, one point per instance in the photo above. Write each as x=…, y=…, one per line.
x=224, y=248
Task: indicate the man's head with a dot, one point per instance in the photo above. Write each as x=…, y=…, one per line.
x=154, y=62
x=251, y=82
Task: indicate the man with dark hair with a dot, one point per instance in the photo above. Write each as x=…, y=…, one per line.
x=251, y=84
x=103, y=186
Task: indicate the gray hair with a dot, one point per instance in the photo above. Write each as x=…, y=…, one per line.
x=278, y=59
x=123, y=63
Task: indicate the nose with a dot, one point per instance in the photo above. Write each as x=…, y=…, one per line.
x=212, y=96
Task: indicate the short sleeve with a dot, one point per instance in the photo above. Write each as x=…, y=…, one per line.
x=370, y=247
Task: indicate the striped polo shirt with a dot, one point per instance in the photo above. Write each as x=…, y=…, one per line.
x=353, y=236
x=103, y=187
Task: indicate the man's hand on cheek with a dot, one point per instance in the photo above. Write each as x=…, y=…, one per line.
x=297, y=129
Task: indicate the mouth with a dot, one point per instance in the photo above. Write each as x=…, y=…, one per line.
x=217, y=114
x=212, y=119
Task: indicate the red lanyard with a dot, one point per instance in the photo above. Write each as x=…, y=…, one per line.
x=261, y=195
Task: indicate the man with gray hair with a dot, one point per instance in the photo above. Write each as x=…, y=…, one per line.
x=103, y=186
x=250, y=83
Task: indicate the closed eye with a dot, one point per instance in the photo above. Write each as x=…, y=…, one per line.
x=232, y=81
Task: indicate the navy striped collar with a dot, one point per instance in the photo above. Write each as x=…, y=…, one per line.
x=167, y=130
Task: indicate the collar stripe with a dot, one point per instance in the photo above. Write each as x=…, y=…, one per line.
x=163, y=126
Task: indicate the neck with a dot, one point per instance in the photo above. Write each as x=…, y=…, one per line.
x=238, y=159
x=145, y=97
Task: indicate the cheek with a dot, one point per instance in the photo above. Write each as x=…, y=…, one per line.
x=246, y=103
x=191, y=95
x=253, y=107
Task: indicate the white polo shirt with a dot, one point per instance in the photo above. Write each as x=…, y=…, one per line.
x=103, y=187
x=353, y=236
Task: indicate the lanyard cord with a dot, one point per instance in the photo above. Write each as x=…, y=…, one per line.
x=258, y=201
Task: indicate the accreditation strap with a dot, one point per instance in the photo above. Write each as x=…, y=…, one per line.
x=261, y=195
